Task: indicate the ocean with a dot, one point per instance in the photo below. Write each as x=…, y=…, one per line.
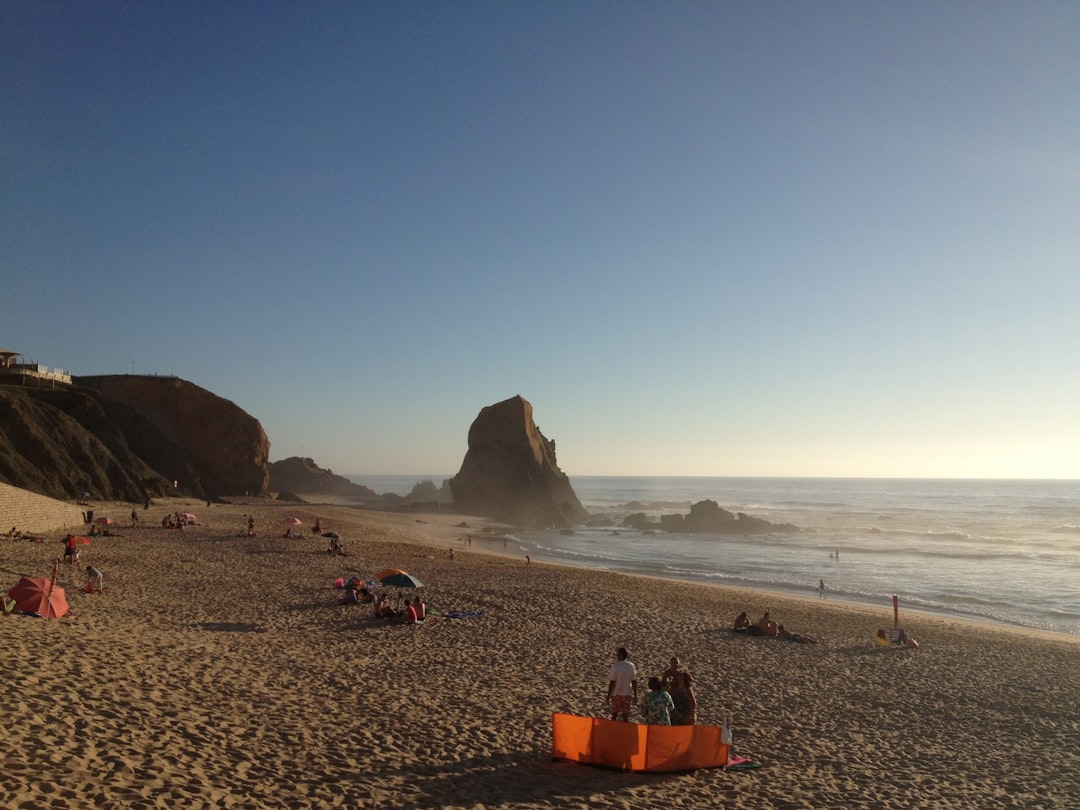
x=999, y=551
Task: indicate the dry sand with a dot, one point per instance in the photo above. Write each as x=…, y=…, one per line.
x=221, y=671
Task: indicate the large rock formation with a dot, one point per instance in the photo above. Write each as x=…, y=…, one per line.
x=305, y=477
x=510, y=472
x=708, y=516
x=129, y=437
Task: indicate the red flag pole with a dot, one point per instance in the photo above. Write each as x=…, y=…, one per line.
x=52, y=586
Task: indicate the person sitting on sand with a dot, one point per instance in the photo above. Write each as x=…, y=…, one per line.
x=350, y=597
x=766, y=626
x=383, y=609
x=684, y=699
x=365, y=596
x=657, y=704
x=420, y=608
x=742, y=623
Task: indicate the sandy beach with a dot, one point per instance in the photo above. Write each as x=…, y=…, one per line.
x=220, y=670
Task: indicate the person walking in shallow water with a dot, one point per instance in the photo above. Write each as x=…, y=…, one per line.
x=821, y=589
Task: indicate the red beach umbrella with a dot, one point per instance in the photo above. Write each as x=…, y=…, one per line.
x=40, y=595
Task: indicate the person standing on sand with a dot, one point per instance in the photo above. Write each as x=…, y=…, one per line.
x=821, y=589
x=658, y=704
x=622, y=686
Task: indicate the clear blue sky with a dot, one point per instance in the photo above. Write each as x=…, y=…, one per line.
x=702, y=238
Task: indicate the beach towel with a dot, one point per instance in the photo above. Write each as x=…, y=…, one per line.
x=741, y=764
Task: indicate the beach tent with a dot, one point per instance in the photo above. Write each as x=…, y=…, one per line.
x=40, y=595
x=635, y=746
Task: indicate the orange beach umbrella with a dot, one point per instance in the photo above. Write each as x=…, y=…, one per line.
x=40, y=595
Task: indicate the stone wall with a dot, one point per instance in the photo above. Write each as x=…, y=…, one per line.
x=30, y=512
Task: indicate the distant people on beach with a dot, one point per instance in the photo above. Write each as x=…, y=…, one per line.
x=669, y=674
x=658, y=704
x=95, y=582
x=741, y=623
x=415, y=611
x=684, y=700
x=251, y=526
x=71, y=549
x=766, y=626
x=383, y=608
x=317, y=528
x=799, y=638
x=821, y=589
x=134, y=519
x=622, y=692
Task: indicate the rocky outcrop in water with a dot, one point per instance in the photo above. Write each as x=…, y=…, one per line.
x=708, y=516
x=510, y=471
x=304, y=476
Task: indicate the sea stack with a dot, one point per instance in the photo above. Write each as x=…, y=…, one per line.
x=510, y=471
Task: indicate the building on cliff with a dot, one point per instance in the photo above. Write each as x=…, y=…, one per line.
x=13, y=371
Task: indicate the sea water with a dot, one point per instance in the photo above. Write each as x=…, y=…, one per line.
x=1002, y=551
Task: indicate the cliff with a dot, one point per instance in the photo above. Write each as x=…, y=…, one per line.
x=510, y=471
x=128, y=437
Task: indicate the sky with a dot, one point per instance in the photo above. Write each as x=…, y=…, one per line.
x=836, y=239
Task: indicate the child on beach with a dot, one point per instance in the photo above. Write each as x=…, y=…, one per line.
x=657, y=704
x=94, y=580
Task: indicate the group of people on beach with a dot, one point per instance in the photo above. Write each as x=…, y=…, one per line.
x=411, y=612
x=95, y=581
x=16, y=534
x=174, y=520
x=670, y=700
x=765, y=626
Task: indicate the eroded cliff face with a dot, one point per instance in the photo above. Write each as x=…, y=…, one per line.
x=510, y=471
x=207, y=444
x=61, y=443
x=129, y=437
